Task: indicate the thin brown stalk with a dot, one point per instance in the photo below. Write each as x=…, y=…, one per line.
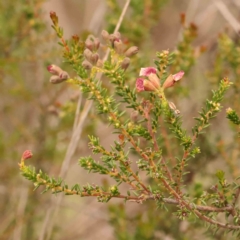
x=228, y=15
x=196, y=209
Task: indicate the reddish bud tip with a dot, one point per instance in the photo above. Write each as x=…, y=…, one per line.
x=27, y=154
x=75, y=38
x=183, y=18
x=54, y=69
x=54, y=18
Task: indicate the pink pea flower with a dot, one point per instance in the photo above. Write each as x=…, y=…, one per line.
x=140, y=85
x=144, y=85
x=147, y=71
x=27, y=154
x=178, y=76
x=150, y=83
x=172, y=79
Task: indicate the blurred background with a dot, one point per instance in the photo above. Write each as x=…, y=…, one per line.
x=39, y=116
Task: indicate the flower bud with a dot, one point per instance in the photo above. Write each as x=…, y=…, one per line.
x=87, y=54
x=86, y=64
x=96, y=43
x=54, y=18
x=118, y=46
x=173, y=107
x=125, y=63
x=89, y=44
x=56, y=79
x=114, y=37
x=94, y=58
x=131, y=51
x=54, y=69
x=92, y=43
x=64, y=75
x=105, y=35
x=75, y=38
x=27, y=154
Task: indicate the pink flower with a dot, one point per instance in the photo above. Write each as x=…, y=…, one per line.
x=26, y=154
x=151, y=83
x=178, y=76
x=147, y=71
x=144, y=85
x=140, y=85
x=172, y=79
x=153, y=78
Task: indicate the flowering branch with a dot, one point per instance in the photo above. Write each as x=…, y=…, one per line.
x=141, y=136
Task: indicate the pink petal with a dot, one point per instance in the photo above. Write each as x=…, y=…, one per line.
x=26, y=154
x=178, y=76
x=140, y=85
x=148, y=86
x=147, y=71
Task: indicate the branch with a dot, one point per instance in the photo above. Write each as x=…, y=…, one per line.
x=74, y=140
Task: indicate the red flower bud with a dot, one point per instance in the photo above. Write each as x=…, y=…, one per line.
x=26, y=155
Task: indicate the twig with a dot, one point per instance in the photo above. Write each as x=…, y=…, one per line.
x=236, y=195
x=122, y=16
x=73, y=144
x=77, y=111
x=197, y=209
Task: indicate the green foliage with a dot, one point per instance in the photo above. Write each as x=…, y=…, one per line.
x=116, y=162
x=152, y=156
